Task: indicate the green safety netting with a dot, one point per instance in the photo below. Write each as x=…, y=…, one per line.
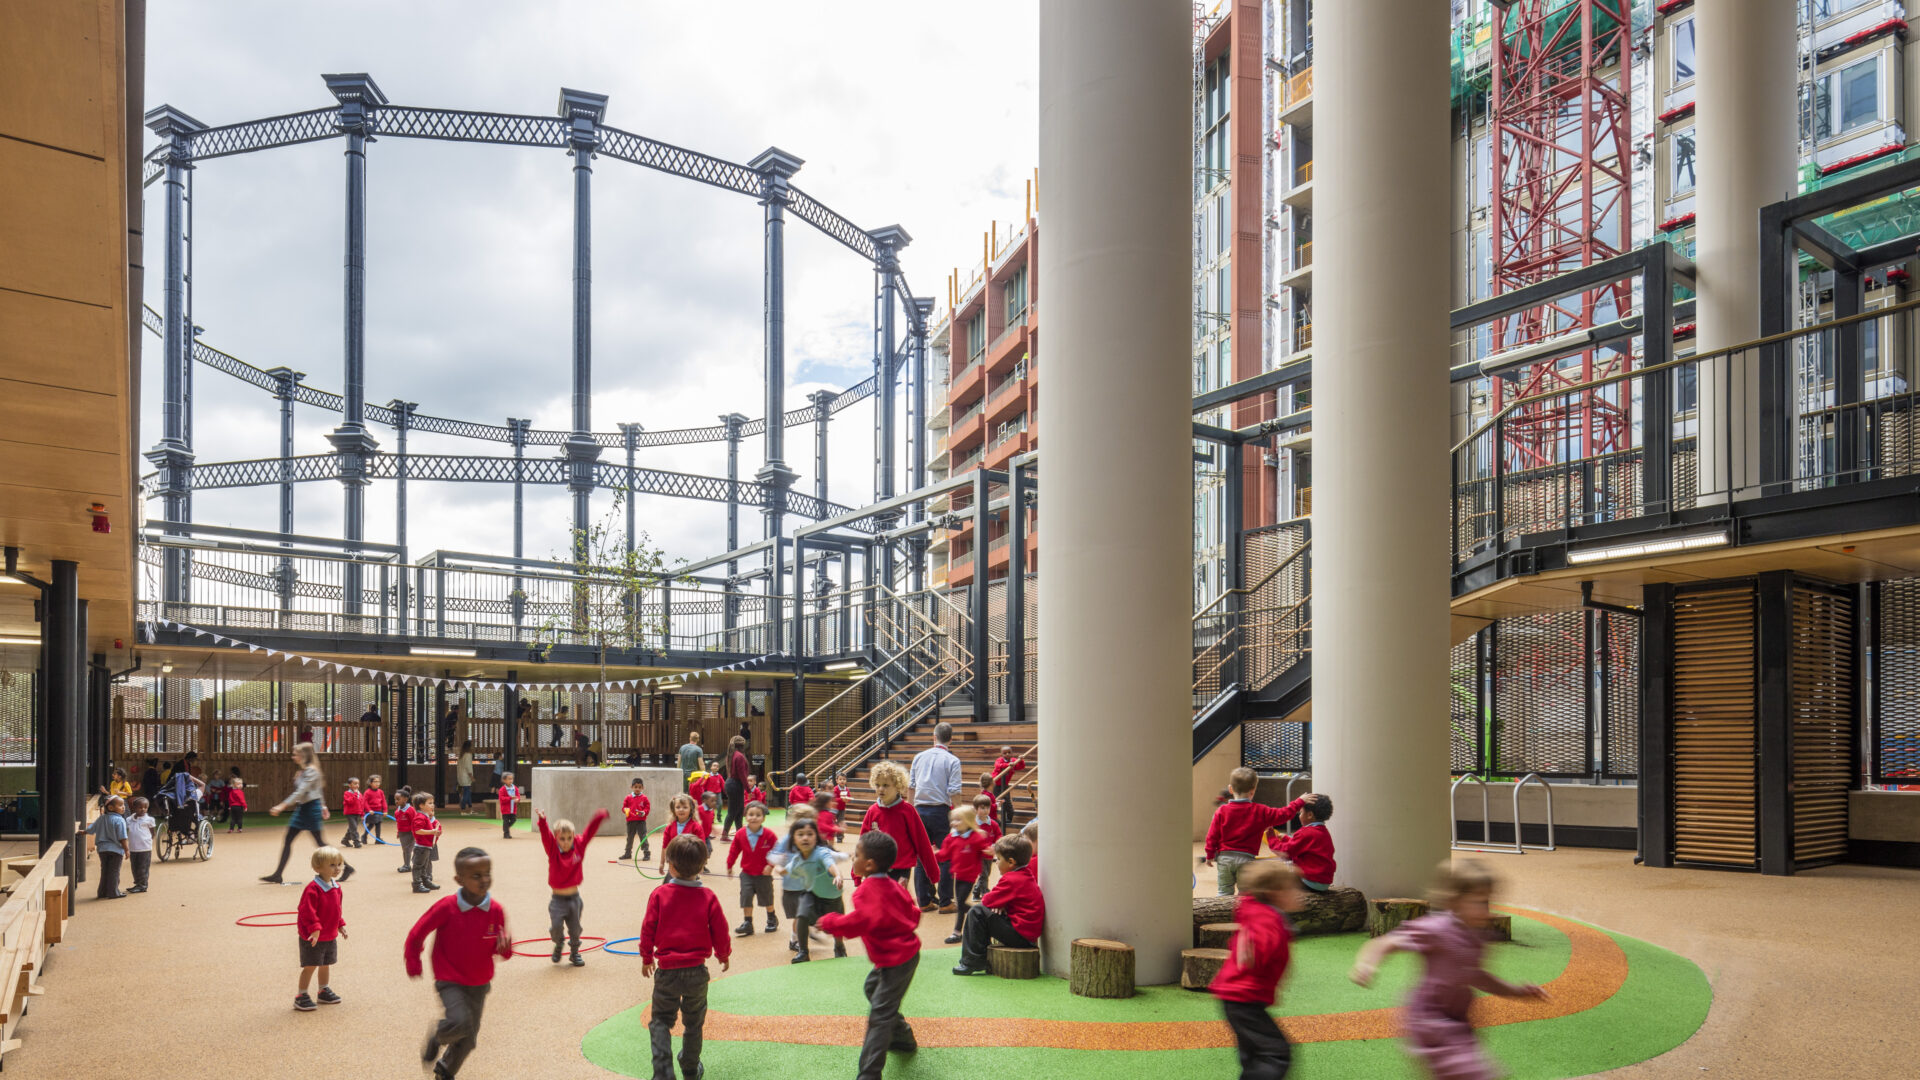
x=1890, y=217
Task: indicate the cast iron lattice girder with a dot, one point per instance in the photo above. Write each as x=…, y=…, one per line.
x=250, y=135
x=472, y=429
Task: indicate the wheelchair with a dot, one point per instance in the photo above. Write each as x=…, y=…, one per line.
x=183, y=828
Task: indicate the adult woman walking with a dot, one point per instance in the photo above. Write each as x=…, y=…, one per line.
x=736, y=789
x=463, y=775
x=309, y=803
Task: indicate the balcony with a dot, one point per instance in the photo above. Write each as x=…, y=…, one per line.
x=1009, y=397
x=1296, y=99
x=970, y=462
x=1300, y=267
x=967, y=379
x=1300, y=194
x=1009, y=346
x=969, y=428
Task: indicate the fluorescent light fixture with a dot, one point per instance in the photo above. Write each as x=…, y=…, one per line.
x=842, y=665
x=1665, y=546
x=669, y=686
x=166, y=668
x=9, y=579
x=18, y=639
x=434, y=650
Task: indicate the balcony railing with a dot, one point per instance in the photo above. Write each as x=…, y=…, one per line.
x=1299, y=88
x=970, y=461
x=975, y=410
x=1303, y=174
x=1303, y=255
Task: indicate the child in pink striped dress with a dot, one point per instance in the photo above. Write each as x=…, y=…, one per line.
x=1435, y=1023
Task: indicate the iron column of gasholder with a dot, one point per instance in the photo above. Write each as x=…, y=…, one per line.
x=917, y=461
x=1017, y=594
x=402, y=419
x=631, y=434
x=583, y=112
x=359, y=100
x=439, y=741
x=519, y=598
x=285, y=381
x=776, y=167
x=886, y=268
x=977, y=596
x=730, y=603
x=822, y=401
x=173, y=456
x=62, y=703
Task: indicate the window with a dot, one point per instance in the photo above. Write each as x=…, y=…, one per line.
x=1482, y=172
x=1827, y=9
x=1842, y=101
x=1482, y=265
x=1680, y=163
x=976, y=336
x=1683, y=54
x=1016, y=293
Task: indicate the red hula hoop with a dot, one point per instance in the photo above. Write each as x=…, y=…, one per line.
x=597, y=943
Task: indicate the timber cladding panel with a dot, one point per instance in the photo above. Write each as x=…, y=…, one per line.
x=1823, y=704
x=1715, y=738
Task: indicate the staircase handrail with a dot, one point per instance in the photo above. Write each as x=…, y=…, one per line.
x=1257, y=586
x=884, y=730
x=851, y=687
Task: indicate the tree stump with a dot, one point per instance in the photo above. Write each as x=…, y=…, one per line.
x=1013, y=963
x=1212, y=909
x=1216, y=935
x=1199, y=966
x=1101, y=969
x=1392, y=911
x=1500, y=928
x=1336, y=911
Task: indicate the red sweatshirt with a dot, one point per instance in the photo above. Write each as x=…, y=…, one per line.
x=800, y=795
x=464, y=942
x=1018, y=894
x=991, y=829
x=757, y=795
x=403, y=819
x=1263, y=931
x=828, y=824
x=1237, y=826
x=321, y=911
x=683, y=926
x=637, y=807
x=1310, y=848
x=840, y=799
x=884, y=916
x=509, y=796
x=426, y=829
x=716, y=784
x=706, y=822
x=375, y=798
x=236, y=797
x=751, y=855
x=352, y=802
x=965, y=853
x=1004, y=770
x=565, y=869
x=901, y=822
x=674, y=829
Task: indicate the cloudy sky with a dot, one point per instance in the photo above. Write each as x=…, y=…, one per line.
x=918, y=116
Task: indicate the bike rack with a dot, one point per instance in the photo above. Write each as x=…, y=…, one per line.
x=1486, y=844
x=1291, y=780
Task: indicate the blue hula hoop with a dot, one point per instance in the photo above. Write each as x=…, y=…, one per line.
x=609, y=947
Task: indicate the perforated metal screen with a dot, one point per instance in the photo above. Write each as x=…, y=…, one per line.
x=1276, y=746
x=1895, y=742
x=1466, y=723
x=16, y=716
x=1619, y=657
x=1541, y=719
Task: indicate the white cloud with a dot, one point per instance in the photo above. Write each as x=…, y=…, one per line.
x=905, y=114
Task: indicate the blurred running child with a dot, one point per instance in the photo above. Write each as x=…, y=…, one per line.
x=1438, y=1033
x=812, y=885
x=682, y=927
x=320, y=921
x=752, y=843
x=637, y=806
x=469, y=930
x=884, y=917
x=963, y=849
x=1256, y=962
x=566, y=869
x=791, y=888
x=828, y=820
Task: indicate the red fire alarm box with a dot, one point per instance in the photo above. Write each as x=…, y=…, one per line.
x=100, y=522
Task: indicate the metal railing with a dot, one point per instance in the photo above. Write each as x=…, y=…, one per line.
x=1580, y=454
x=1253, y=645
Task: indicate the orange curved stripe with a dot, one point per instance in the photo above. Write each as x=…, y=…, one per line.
x=1596, y=969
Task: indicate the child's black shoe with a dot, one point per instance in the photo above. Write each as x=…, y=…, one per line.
x=304, y=1003
x=745, y=929
x=773, y=922
x=953, y=939
x=328, y=997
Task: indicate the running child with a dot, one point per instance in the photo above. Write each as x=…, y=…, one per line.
x=320, y=922
x=893, y=815
x=964, y=849
x=1434, y=1021
x=752, y=843
x=791, y=888
x=636, y=806
x=828, y=820
x=812, y=883
x=353, y=807
x=683, y=823
x=682, y=927
x=375, y=800
x=426, y=842
x=1310, y=848
x=469, y=930
x=1233, y=837
x=886, y=918
x=1257, y=959
x=403, y=818
x=509, y=796
x=566, y=869
x=1013, y=913
x=140, y=830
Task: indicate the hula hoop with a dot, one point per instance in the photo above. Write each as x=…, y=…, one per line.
x=242, y=920
x=598, y=942
x=609, y=947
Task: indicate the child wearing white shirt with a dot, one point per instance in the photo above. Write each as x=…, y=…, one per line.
x=140, y=829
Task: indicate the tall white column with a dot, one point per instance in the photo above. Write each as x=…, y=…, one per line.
x=1380, y=432
x=1115, y=646
x=1747, y=154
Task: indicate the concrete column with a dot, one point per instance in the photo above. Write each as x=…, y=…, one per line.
x=1380, y=427
x=1747, y=155
x=1115, y=144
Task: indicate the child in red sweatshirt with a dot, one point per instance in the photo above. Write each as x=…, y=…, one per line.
x=1006, y=768
x=509, y=795
x=1013, y=912
x=752, y=843
x=893, y=815
x=1310, y=848
x=1256, y=960
x=885, y=918
x=353, y=807
x=840, y=794
x=637, y=806
x=682, y=927
x=964, y=849
x=826, y=819
x=375, y=802
x=320, y=922
x=469, y=929
x=425, y=830
x=984, y=814
x=1233, y=838
x=801, y=793
x=403, y=826
x=566, y=858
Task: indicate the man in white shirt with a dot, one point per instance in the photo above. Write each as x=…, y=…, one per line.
x=936, y=781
